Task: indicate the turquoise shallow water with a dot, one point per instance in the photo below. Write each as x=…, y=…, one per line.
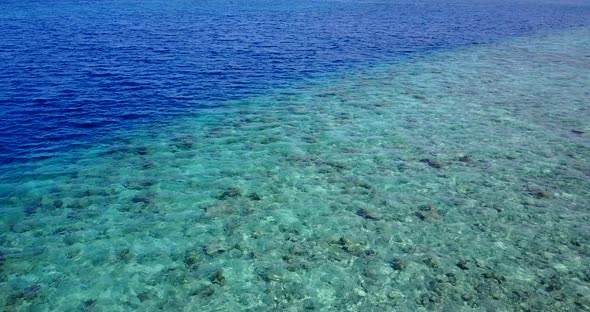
x=456, y=181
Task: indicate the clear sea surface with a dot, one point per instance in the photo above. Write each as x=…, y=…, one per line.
x=294, y=155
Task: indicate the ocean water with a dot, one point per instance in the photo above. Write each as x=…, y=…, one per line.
x=438, y=177
x=73, y=70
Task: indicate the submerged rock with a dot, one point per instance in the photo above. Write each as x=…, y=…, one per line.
x=309, y=139
x=206, y=291
x=432, y=262
x=58, y=203
x=142, y=150
x=269, y=140
x=148, y=164
x=191, y=259
x=428, y=213
x=124, y=254
x=25, y=226
x=184, y=143
x=89, y=304
x=494, y=276
x=31, y=209
x=466, y=297
x=148, y=182
x=552, y=283
x=398, y=264
x=434, y=163
x=144, y=198
x=70, y=239
x=144, y=296
x=334, y=164
x=81, y=214
x=350, y=246
x=364, y=185
x=463, y=264
x=119, y=149
x=254, y=196
x=583, y=302
x=27, y=293
x=219, y=209
x=230, y=192
x=343, y=241
x=215, y=248
x=369, y=214
x=218, y=278
x=540, y=193
x=465, y=158
x=271, y=276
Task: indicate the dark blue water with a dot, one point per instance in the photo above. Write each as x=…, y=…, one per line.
x=72, y=70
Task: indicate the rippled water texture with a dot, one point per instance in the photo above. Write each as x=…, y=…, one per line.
x=72, y=70
x=456, y=181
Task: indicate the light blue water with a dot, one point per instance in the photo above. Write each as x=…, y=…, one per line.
x=455, y=180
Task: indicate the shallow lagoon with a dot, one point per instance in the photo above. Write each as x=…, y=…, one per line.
x=455, y=181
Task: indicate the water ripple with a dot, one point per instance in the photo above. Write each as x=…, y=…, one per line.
x=120, y=62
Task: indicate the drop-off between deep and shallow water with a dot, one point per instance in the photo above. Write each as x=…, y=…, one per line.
x=456, y=181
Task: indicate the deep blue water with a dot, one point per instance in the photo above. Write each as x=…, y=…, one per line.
x=73, y=70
